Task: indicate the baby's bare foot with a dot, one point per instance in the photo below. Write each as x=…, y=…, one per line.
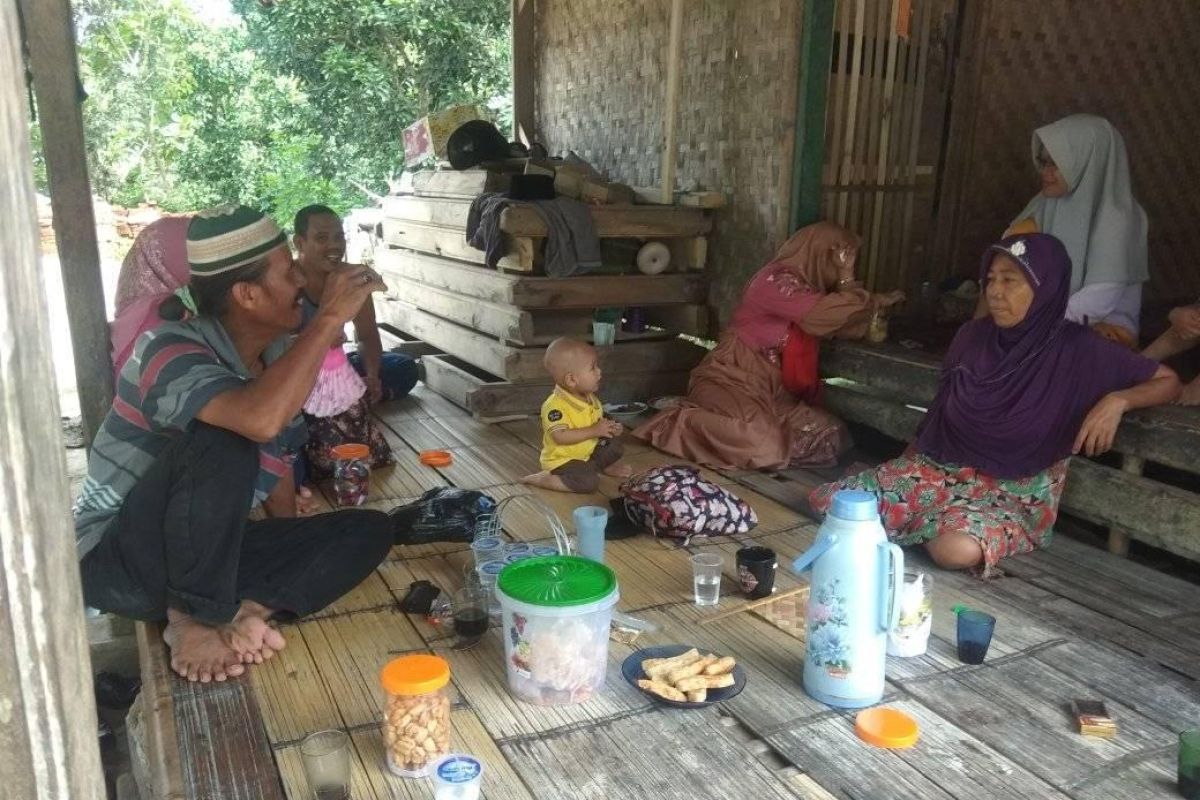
x=618, y=470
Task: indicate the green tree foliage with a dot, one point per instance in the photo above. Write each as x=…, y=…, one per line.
x=302, y=102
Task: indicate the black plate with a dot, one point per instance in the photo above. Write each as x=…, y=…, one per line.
x=631, y=668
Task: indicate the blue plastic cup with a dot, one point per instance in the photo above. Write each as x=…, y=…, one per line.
x=590, y=522
x=974, y=635
x=545, y=550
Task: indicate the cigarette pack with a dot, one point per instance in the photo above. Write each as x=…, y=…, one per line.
x=1093, y=718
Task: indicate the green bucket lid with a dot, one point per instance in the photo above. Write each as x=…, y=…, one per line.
x=557, y=581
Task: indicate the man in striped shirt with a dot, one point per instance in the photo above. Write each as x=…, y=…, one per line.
x=204, y=428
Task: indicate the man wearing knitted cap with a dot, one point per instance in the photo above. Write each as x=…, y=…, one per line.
x=204, y=428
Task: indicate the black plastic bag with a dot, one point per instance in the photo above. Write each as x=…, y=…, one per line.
x=447, y=514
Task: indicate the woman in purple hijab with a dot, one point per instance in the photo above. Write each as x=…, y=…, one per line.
x=1021, y=390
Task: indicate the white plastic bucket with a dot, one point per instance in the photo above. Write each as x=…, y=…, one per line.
x=555, y=655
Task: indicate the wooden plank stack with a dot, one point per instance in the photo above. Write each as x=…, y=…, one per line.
x=492, y=325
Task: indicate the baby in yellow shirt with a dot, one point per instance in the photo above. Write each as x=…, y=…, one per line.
x=578, y=442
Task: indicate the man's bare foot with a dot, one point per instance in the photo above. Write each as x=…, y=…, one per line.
x=618, y=470
x=305, y=502
x=546, y=480
x=198, y=651
x=250, y=634
x=1190, y=395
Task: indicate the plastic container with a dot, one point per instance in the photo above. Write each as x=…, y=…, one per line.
x=545, y=550
x=416, y=724
x=518, y=549
x=351, y=474
x=457, y=777
x=555, y=616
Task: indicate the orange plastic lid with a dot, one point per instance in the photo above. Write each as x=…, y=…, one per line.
x=416, y=674
x=886, y=727
x=349, y=452
x=436, y=458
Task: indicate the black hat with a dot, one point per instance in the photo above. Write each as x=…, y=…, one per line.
x=532, y=187
x=475, y=142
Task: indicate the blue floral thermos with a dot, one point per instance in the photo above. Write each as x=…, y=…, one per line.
x=853, y=602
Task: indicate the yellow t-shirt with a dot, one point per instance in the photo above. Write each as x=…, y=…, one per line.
x=563, y=411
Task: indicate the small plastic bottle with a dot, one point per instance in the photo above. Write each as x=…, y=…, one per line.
x=351, y=474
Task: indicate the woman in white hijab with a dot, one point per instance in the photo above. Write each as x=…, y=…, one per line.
x=1087, y=202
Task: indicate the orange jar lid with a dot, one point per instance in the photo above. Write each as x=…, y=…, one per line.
x=416, y=674
x=886, y=727
x=351, y=452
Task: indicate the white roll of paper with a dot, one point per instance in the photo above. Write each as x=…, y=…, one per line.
x=653, y=258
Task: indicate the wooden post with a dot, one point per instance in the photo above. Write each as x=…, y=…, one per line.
x=812, y=91
x=47, y=714
x=1118, y=538
x=671, y=102
x=522, y=70
x=51, y=38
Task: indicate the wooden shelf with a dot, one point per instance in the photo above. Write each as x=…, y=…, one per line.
x=534, y=327
x=525, y=364
x=529, y=292
x=492, y=399
x=652, y=222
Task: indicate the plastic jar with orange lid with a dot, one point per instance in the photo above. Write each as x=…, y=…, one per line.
x=416, y=724
x=351, y=473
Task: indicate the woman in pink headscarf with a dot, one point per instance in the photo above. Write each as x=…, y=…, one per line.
x=153, y=269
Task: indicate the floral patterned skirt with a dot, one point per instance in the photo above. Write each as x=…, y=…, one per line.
x=920, y=499
x=352, y=425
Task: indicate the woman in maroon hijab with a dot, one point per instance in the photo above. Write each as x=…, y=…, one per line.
x=1021, y=390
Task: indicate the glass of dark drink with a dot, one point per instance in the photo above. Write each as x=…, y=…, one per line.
x=470, y=607
x=974, y=635
x=326, y=756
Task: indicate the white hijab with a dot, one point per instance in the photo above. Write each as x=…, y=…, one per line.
x=1101, y=223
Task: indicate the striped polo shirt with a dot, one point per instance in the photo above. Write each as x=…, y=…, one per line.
x=174, y=371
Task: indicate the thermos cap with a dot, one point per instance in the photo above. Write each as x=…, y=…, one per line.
x=855, y=506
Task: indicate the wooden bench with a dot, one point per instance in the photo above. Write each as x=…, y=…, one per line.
x=887, y=387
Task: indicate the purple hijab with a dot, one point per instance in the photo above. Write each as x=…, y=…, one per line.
x=1011, y=400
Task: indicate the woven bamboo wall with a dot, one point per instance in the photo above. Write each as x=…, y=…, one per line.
x=1132, y=62
x=600, y=79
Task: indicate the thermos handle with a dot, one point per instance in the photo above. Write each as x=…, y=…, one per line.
x=891, y=568
x=805, y=560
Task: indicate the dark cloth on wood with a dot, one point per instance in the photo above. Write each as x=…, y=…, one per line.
x=572, y=246
x=483, y=226
x=584, y=476
x=181, y=540
x=352, y=426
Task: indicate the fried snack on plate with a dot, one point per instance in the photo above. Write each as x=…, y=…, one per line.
x=705, y=682
x=692, y=669
x=662, y=690
x=669, y=665
x=698, y=696
x=720, y=666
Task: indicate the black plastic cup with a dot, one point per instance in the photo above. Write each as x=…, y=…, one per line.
x=756, y=571
x=974, y=635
